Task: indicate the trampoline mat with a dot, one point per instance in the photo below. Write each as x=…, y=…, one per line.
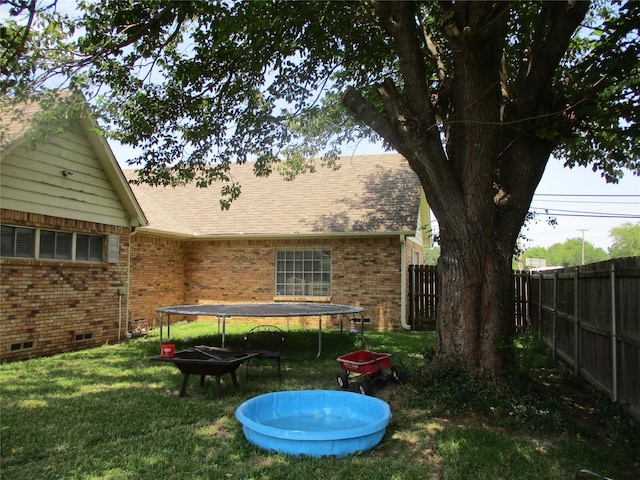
x=276, y=309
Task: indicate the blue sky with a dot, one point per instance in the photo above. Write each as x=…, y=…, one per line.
x=585, y=202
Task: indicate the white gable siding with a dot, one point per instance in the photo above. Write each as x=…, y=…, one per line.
x=31, y=180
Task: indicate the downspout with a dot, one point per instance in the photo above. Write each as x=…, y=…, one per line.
x=127, y=289
x=403, y=283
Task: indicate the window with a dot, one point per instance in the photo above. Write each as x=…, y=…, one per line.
x=89, y=248
x=17, y=242
x=305, y=273
x=21, y=345
x=55, y=245
x=22, y=242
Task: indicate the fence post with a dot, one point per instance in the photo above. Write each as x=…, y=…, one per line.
x=614, y=338
x=539, y=305
x=577, y=355
x=554, y=314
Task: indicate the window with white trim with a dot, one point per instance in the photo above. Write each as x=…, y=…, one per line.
x=17, y=242
x=23, y=242
x=55, y=245
x=303, y=272
x=89, y=248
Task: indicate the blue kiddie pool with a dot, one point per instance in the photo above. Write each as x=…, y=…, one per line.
x=315, y=423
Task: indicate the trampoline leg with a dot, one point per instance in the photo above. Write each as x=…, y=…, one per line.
x=319, y=336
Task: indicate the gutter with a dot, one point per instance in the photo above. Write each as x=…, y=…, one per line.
x=266, y=236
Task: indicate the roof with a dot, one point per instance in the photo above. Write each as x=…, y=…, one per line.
x=15, y=121
x=368, y=194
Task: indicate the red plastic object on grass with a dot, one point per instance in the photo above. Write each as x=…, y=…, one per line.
x=167, y=350
x=365, y=362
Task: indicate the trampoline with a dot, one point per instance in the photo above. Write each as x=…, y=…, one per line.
x=260, y=310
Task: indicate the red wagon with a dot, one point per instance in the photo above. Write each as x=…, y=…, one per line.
x=370, y=366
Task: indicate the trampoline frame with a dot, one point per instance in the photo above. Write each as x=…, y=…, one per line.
x=260, y=310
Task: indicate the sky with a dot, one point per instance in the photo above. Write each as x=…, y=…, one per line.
x=582, y=203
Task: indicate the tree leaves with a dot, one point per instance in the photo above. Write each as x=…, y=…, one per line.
x=196, y=83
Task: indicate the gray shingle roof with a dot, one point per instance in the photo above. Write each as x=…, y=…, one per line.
x=368, y=194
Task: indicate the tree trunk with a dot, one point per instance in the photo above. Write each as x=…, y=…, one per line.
x=480, y=183
x=475, y=320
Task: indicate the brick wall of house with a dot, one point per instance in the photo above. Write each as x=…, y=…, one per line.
x=366, y=272
x=53, y=306
x=157, y=276
x=412, y=248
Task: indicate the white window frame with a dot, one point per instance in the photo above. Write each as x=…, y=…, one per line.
x=14, y=241
x=37, y=233
x=303, y=272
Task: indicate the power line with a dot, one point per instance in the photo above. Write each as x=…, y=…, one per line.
x=599, y=202
x=580, y=195
x=577, y=213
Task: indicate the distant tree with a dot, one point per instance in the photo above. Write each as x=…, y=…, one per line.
x=626, y=240
x=431, y=255
x=568, y=254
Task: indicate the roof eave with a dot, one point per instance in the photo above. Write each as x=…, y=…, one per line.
x=271, y=236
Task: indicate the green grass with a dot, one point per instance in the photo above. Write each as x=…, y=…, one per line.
x=110, y=413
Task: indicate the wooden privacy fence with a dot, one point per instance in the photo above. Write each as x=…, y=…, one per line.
x=423, y=297
x=590, y=316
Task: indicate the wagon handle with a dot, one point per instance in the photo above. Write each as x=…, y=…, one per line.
x=373, y=354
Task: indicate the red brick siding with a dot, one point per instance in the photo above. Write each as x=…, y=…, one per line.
x=365, y=272
x=49, y=302
x=411, y=248
x=157, y=276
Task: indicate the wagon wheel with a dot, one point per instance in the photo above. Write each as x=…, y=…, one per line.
x=364, y=387
x=399, y=375
x=343, y=380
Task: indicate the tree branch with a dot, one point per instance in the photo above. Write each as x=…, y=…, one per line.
x=398, y=18
x=367, y=114
x=551, y=40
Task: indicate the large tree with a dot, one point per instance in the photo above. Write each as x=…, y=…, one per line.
x=477, y=96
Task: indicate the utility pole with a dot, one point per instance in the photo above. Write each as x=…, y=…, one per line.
x=582, y=230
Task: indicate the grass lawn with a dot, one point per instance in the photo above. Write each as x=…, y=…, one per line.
x=110, y=413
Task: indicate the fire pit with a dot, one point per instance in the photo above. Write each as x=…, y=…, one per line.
x=203, y=361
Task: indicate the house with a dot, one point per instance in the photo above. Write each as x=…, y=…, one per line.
x=67, y=215
x=344, y=237
x=84, y=252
